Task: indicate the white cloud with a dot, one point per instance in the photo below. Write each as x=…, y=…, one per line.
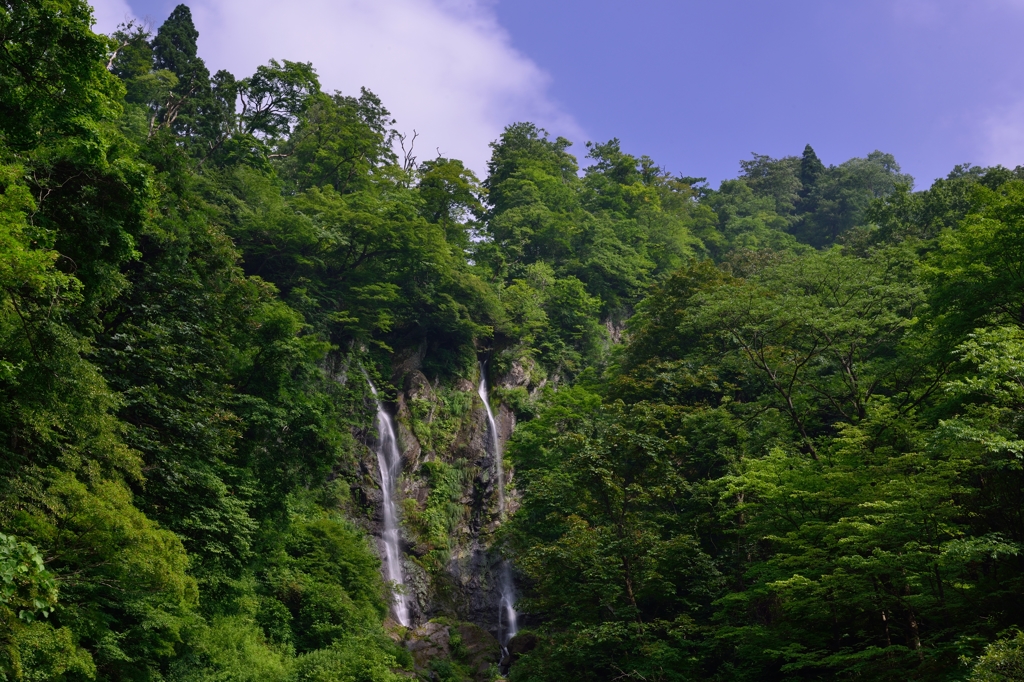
x=446, y=69
x=110, y=13
x=1003, y=137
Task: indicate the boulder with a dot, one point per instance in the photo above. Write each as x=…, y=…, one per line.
x=481, y=649
x=428, y=642
x=522, y=643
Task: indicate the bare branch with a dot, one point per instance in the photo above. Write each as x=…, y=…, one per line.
x=124, y=29
x=409, y=160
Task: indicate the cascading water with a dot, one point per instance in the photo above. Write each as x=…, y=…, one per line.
x=507, y=619
x=389, y=459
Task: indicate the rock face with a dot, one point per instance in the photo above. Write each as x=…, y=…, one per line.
x=448, y=501
x=465, y=646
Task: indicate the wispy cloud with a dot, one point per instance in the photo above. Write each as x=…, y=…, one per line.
x=445, y=68
x=1003, y=136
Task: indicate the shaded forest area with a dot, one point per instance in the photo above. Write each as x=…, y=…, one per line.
x=777, y=433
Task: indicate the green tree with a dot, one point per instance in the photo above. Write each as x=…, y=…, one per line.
x=746, y=221
x=615, y=574
x=811, y=170
x=839, y=197
x=781, y=179
x=1003, y=660
x=451, y=197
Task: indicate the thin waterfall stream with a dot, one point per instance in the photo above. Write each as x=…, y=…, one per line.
x=507, y=618
x=389, y=459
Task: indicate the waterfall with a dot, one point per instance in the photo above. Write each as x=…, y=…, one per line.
x=507, y=620
x=389, y=459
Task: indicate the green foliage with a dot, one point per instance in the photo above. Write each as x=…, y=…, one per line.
x=438, y=417
x=840, y=443
x=52, y=79
x=596, y=537
x=838, y=197
x=819, y=204
x=27, y=589
x=975, y=266
x=31, y=648
x=232, y=648
x=40, y=652
x=792, y=451
x=780, y=179
x=747, y=221
x=624, y=222
x=1003, y=660
x=443, y=510
x=447, y=671
x=160, y=407
x=451, y=198
x=355, y=660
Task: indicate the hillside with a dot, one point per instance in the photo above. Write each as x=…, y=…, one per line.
x=280, y=403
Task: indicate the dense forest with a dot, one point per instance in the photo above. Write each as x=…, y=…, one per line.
x=768, y=431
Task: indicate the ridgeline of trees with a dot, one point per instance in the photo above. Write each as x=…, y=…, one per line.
x=781, y=437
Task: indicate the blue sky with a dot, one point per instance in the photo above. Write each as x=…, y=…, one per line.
x=699, y=85
x=695, y=85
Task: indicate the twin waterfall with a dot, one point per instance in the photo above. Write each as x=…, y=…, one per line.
x=389, y=459
x=507, y=625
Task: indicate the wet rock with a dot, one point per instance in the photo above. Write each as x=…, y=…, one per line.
x=418, y=587
x=467, y=645
x=481, y=649
x=428, y=642
x=417, y=387
x=409, y=447
x=463, y=587
x=615, y=328
x=522, y=643
x=407, y=360
x=519, y=375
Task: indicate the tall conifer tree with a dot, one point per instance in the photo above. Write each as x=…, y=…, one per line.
x=811, y=168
